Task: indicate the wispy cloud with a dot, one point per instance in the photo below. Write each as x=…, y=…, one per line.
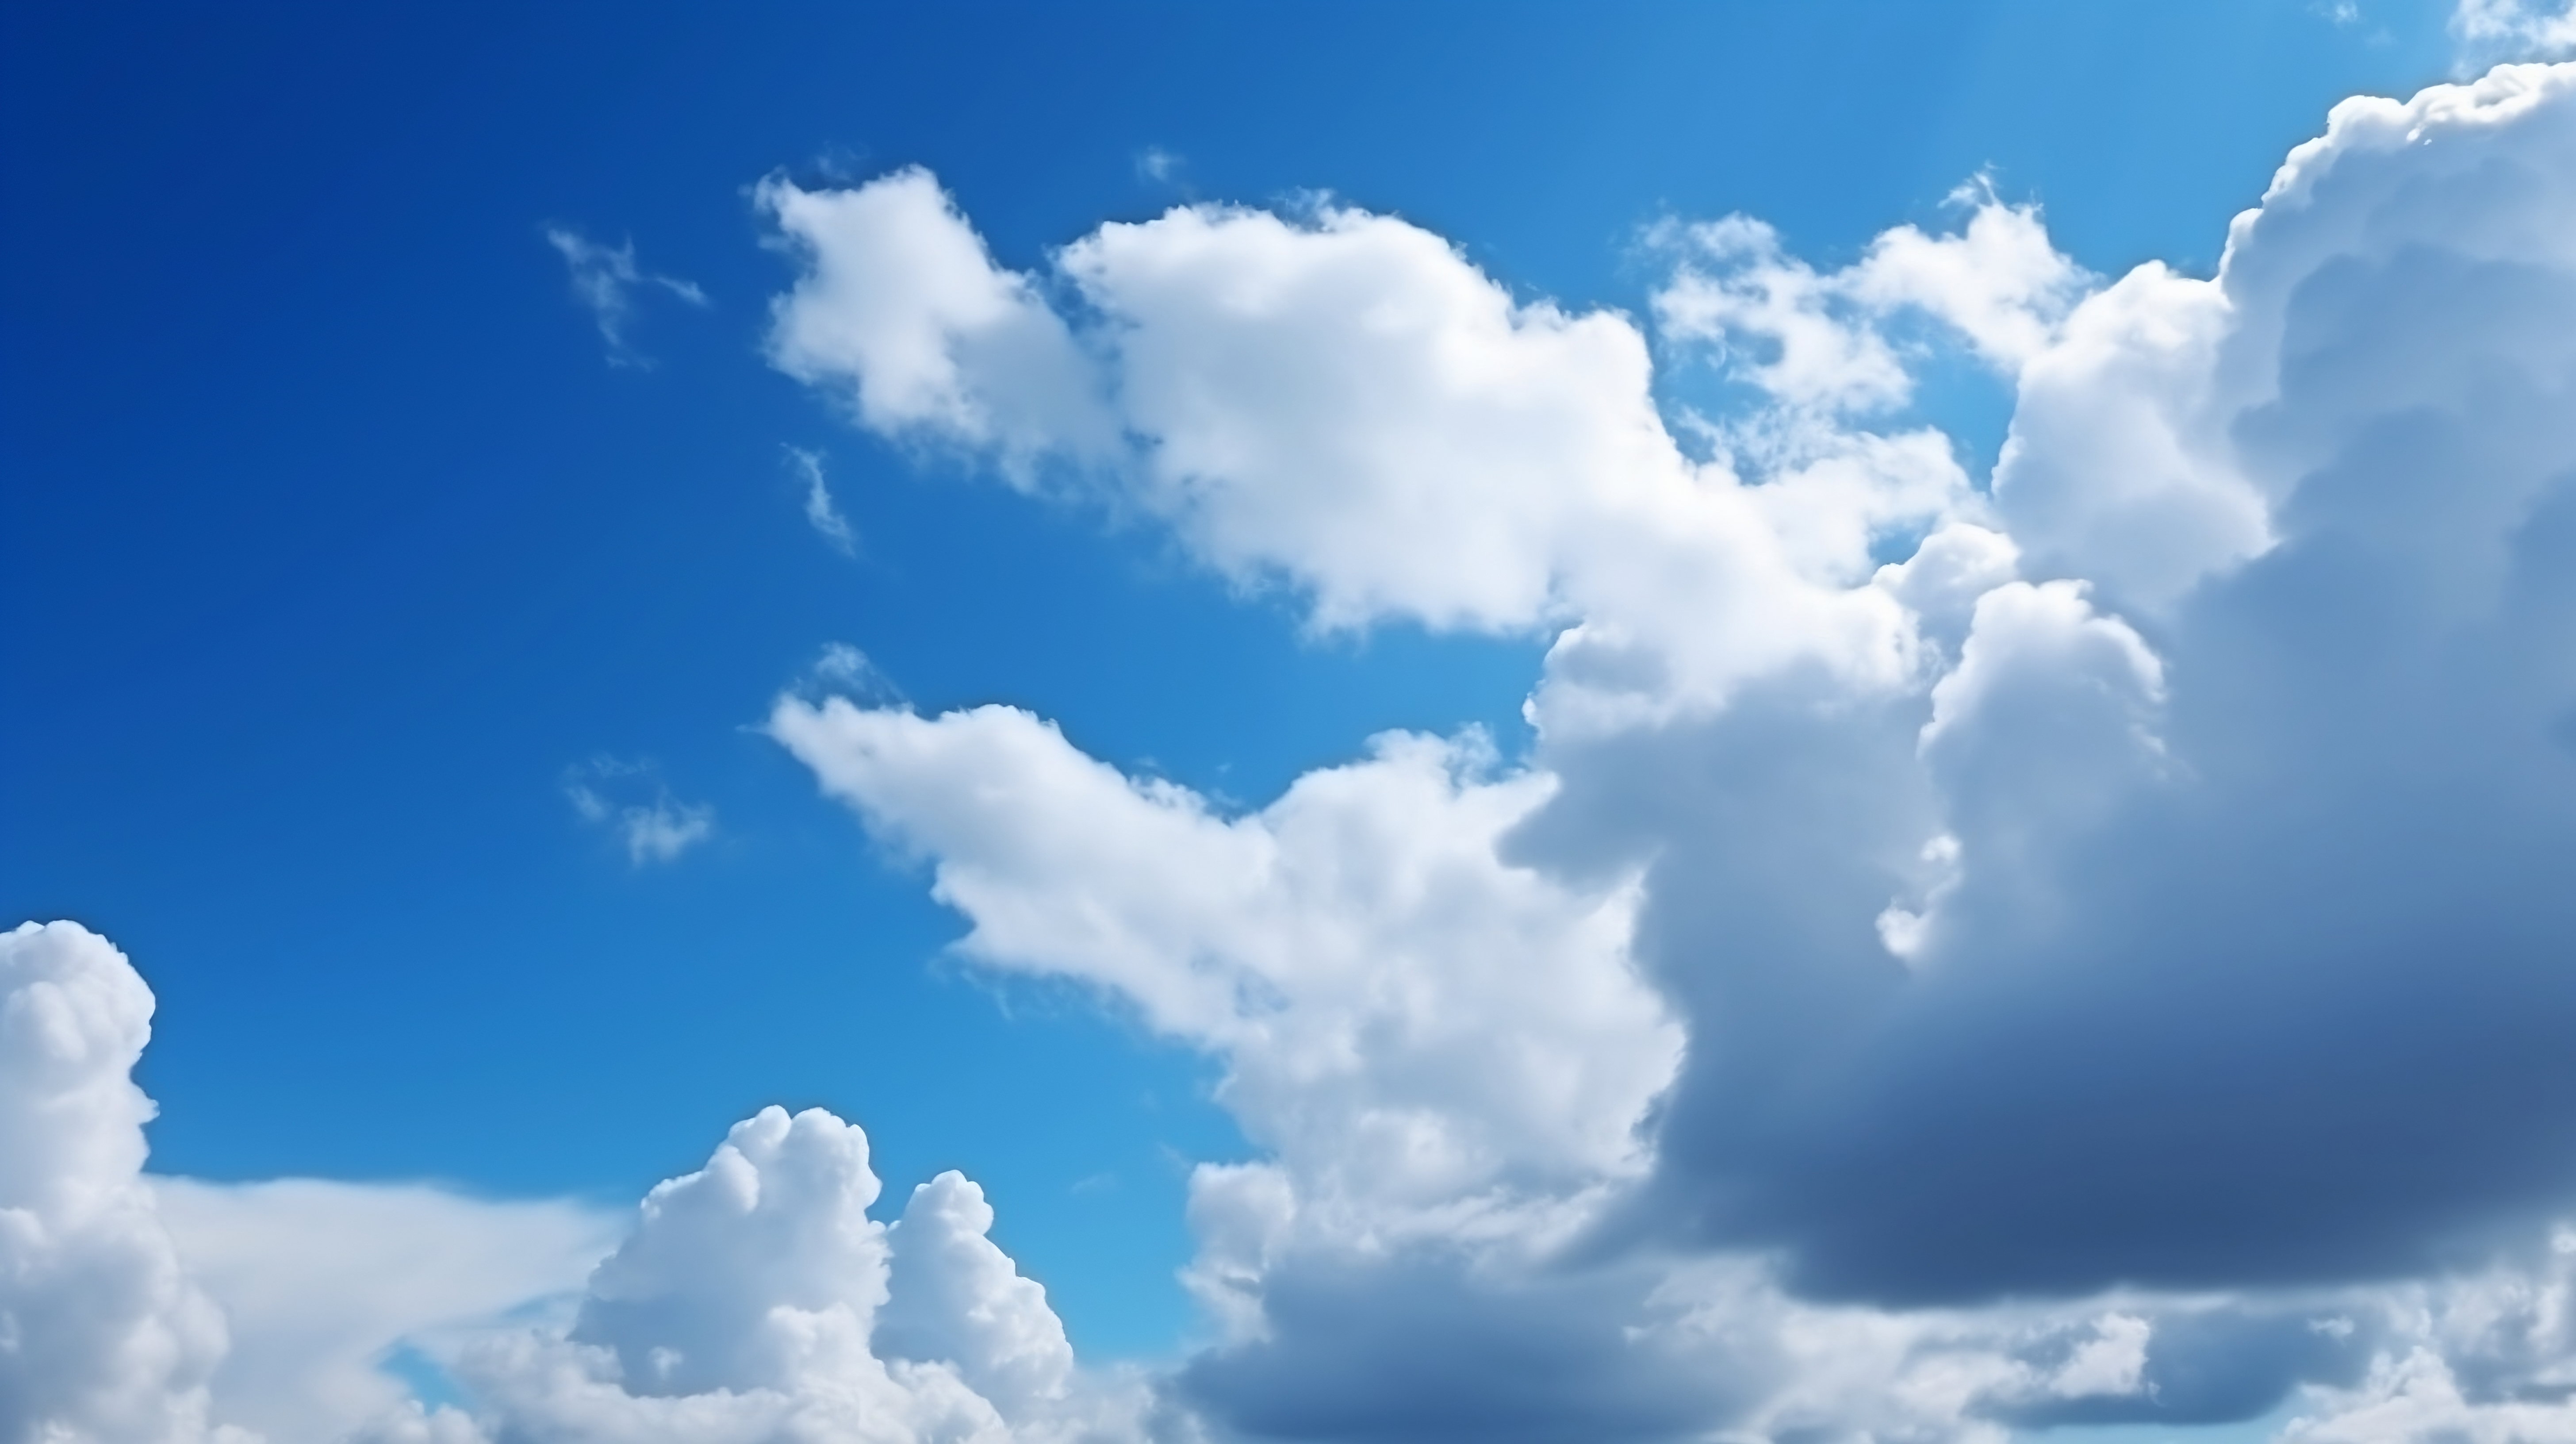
x=2492, y=30
x=605, y=279
x=843, y=671
x=819, y=508
x=631, y=798
x=1158, y=165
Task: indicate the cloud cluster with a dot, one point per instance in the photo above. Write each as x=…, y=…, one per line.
x=756, y=1300
x=753, y=1300
x=2245, y=893
x=2082, y=950
x=2134, y=883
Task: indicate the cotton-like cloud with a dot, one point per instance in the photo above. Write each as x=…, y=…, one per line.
x=605, y=279
x=1404, y=1016
x=1303, y=400
x=756, y=1300
x=902, y=300
x=102, y=1337
x=2249, y=893
x=2143, y=893
x=955, y=1298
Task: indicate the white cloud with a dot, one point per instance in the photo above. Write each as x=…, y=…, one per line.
x=901, y=298
x=820, y=511
x=631, y=799
x=102, y=1339
x=140, y=1310
x=1409, y=1020
x=752, y=1302
x=1302, y=401
x=953, y=1297
x=605, y=279
x=2113, y=472
x=321, y=1281
x=2490, y=30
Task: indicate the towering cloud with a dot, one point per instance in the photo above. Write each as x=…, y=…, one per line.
x=101, y=1336
x=2248, y=965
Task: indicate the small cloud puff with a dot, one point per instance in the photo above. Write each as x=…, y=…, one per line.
x=631, y=798
x=844, y=670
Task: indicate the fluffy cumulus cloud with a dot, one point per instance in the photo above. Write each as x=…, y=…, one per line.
x=756, y=1301
x=1408, y=1020
x=102, y=1337
x=2134, y=883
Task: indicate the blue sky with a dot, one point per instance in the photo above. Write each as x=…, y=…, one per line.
x=364, y=576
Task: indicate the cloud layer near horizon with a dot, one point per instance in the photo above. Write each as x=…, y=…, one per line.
x=2081, y=949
